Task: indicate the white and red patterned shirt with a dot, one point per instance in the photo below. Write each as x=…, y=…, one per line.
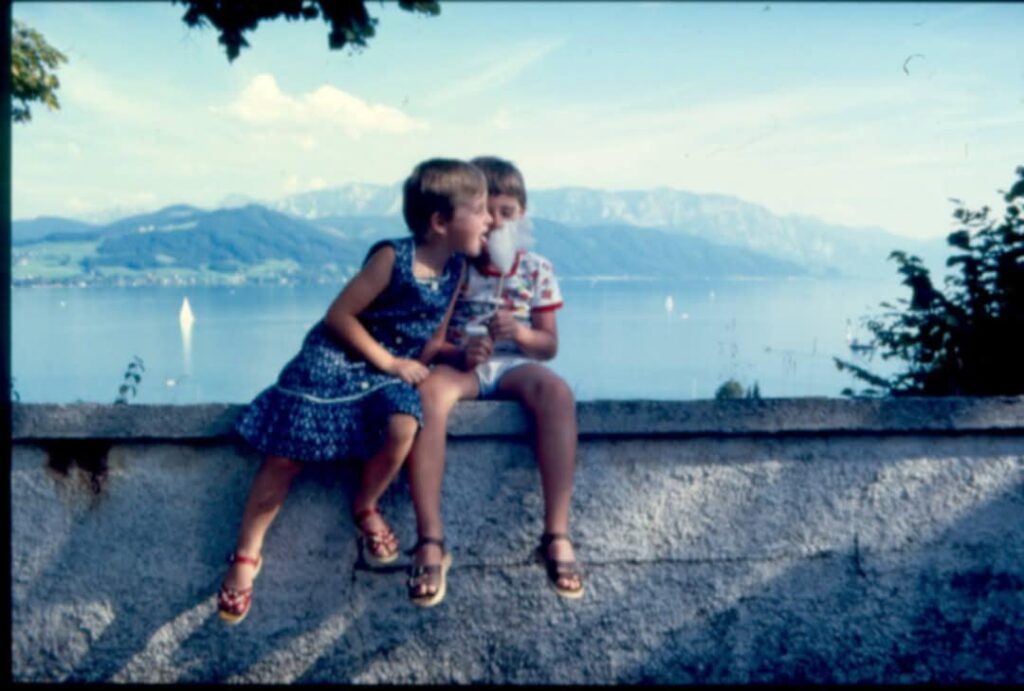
x=529, y=287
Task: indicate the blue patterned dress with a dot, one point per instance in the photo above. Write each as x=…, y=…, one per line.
x=329, y=403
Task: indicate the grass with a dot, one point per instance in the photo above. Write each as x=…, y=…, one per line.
x=50, y=260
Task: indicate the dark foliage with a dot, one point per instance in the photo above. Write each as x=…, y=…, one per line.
x=33, y=76
x=732, y=389
x=351, y=25
x=969, y=339
x=132, y=380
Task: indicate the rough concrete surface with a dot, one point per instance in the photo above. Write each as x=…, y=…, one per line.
x=790, y=558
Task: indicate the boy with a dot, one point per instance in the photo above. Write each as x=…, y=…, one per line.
x=504, y=364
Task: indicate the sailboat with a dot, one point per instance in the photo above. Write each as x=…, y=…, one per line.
x=185, y=316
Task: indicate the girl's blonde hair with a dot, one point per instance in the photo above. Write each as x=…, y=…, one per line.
x=438, y=186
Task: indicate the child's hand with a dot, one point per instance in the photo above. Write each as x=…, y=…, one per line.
x=410, y=371
x=503, y=326
x=478, y=351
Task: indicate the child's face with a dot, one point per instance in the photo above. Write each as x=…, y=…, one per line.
x=468, y=225
x=503, y=207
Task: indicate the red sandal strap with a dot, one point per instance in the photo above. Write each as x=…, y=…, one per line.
x=362, y=514
x=235, y=605
x=234, y=593
x=380, y=536
x=235, y=557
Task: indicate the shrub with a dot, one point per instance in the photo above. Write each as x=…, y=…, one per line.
x=968, y=340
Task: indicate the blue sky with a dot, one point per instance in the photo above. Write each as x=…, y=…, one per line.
x=805, y=108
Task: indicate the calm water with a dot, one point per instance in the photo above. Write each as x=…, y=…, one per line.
x=617, y=339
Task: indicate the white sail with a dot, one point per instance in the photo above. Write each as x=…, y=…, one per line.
x=185, y=316
x=669, y=304
x=186, y=319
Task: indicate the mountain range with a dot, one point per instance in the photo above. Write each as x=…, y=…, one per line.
x=323, y=236
x=821, y=248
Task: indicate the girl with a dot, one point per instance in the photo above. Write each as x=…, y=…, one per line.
x=351, y=389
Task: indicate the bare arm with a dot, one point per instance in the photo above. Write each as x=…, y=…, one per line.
x=360, y=292
x=478, y=349
x=450, y=354
x=538, y=341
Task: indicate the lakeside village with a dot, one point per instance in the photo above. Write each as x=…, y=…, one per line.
x=146, y=279
x=70, y=276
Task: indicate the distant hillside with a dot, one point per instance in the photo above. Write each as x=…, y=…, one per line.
x=323, y=235
x=226, y=240
x=185, y=244
x=365, y=229
x=38, y=228
x=820, y=247
x=621, y=250
x=356, y=199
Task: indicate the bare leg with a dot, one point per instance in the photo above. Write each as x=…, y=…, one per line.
x=266, y=495
x=441, y=390
x=383, y=466
x=551, y=404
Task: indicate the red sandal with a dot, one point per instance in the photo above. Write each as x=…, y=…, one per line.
x=380, y=547
x=233, y=605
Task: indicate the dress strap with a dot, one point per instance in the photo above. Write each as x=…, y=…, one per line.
x=377, y=245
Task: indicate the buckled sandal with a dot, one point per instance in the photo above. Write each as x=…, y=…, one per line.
x=558, y=568
x=379, y=547
x=422, y=576
x=233, y=605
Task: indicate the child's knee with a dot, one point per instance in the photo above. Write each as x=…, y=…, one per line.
x=402, y=430
x=284, y=468
x=438, y=396
x=549, y=393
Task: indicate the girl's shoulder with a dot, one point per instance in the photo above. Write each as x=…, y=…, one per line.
x=400, y=246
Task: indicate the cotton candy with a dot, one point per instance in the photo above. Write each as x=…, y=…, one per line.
x=505, y=240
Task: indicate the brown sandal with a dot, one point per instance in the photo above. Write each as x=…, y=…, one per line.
x=380, y=547
x=419, y=576
x=233, y=605
x=559, y=569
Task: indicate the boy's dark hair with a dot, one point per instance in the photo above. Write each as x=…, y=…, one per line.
x=438, y=185
x=502, y=177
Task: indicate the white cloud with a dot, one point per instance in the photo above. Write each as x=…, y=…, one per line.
x=263, y=103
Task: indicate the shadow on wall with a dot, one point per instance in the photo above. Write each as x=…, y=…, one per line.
x=909, y=615
x=759, y=566
x=125, y=585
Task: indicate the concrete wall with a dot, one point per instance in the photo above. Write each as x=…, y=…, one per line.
x=782, y=540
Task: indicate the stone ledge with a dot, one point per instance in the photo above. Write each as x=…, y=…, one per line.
x=780, y=416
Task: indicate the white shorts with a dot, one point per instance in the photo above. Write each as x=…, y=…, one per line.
x=491, y=372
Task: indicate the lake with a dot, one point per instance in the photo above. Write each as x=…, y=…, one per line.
x=618, y=339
